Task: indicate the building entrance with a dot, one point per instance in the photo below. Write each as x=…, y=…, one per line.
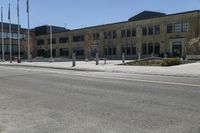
x=177, y=49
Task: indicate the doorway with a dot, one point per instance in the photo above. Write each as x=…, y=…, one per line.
x=177, y=49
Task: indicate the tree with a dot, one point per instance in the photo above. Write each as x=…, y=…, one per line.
x=193, y=46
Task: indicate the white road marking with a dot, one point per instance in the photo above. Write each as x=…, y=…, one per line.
x=107, y=77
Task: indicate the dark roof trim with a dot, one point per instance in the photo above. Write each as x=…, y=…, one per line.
x=147, y=15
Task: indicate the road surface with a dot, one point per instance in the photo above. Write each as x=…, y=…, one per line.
x=34, y=100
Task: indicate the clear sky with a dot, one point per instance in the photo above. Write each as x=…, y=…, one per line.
x=80, y=13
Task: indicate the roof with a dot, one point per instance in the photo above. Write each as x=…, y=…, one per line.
x=13, y=26
x=147, y=15
x=45, y=29
x=141, y=16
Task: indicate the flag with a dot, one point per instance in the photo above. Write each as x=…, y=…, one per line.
x=27, y=6
x=18, y=8
x=1, y=14
x=9, y=12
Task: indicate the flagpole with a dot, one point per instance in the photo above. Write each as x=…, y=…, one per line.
x=2, y=37
x=28, y=30
x=10, y=40
x=51, y=55
x=19, y=45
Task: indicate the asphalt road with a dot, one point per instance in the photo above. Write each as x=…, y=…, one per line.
x=58, y=101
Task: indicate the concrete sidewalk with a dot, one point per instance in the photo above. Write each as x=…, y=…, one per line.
x=112, y=66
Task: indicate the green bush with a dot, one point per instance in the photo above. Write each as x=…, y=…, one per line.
x=170, y=62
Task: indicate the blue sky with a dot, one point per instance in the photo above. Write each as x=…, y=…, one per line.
x=80, y=13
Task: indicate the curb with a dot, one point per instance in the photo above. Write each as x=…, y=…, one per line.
x=59, y=68
x=97, y=70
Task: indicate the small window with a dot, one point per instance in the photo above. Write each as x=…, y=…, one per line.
x=133, y=32
x=105, y=35
x=150, y=30
x=96, y=36
x=53, y=41
x=123, y=33
x=144, y=31
x=185, y=26
x=63, y=40
x=128, y=33
x=157, y=30
x=169, y=28
x=157, y=48
x=78, y=38
x=150, y=48
x=64, y=52
x=144, y=48
x=109, y=34
x=114, y=34
x=177, y=27
x=40, y=42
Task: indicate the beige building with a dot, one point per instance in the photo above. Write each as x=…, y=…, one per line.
x=146, y=34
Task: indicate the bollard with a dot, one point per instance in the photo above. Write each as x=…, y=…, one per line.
x=73, y=60
x=123, y=58
x=97, y=59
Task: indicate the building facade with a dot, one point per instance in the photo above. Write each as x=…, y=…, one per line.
x=146, y=34
x=14, y=44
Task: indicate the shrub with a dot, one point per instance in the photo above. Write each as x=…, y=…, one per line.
x=170, y=62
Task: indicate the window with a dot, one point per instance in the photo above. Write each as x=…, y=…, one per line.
x=185, y=26
x=109, y=34
x=41, y=52
x=78, y=51
x=105, y=35
x=169, y=28
x=133, y=50
x=64, y=52
x=96, y=36
x=157, y=30
x=128, y=33
x=123, y=33
x=133, y=32
x=14, y=36
x=106, y=51
x=114, y=51
x=129, y=49
x=114, y=34
x=110, y=51
x=53, y=52
x=150, y=48
x=64, y=40
x=78, y=38
x=40, y=42
x=177, y=27
x=144, y=48
x=150, y=30
x=157, y=48
x=53, y=41
x=144, y=31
